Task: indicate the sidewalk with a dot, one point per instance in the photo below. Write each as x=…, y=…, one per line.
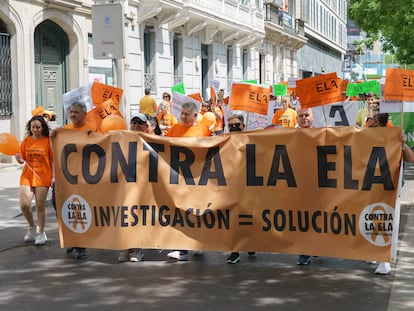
x=43, y=276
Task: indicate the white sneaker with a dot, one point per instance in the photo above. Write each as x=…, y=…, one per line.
x=383, y=268
x=41, y=238
x=136, y=255
x=179, y=255
x=30, y=234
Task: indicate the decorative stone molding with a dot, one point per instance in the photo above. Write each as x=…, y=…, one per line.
x=148, y=13
x=210, y=32
x=194, y=27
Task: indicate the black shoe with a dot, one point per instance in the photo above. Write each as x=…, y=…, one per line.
x=303, y=260
x=80, y=253
x=233, y=258
x=70, y=250
x=251, y=254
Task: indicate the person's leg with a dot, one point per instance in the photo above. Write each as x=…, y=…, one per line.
x=40, y=197
x=25, y=199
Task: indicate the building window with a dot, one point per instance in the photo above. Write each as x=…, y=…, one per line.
x=178, y=58
x=149, y=59
x=5, y=76
x=245, y=64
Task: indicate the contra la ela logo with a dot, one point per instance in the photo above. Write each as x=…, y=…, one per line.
x=376, y=223
x=76, y=214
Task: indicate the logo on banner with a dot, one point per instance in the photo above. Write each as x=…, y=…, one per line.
x=76, y=214
x=376, y=224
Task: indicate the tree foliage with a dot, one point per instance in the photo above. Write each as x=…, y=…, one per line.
x=392, y=20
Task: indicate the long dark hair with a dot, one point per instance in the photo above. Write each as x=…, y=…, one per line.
x=45, y=127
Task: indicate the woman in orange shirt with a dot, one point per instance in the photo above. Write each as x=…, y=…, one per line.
x=36, y=178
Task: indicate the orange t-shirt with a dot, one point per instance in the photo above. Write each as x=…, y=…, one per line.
x=179, y=130
x=286, y=118
x=38, y=155
x=84, y=127
x=276, y=116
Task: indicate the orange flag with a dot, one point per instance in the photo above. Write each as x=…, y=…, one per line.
x=399, y=85
x=249, y=97
x=196, y=96
x=319, y=90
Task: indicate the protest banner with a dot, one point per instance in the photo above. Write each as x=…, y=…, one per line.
x=399, y=84
x=319, y=90
x=333, y=194
x=249, y=97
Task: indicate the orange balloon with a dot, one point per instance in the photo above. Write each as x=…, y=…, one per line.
x=112, y=122
x=199, y=117
x=8, y=144
x=209, y=119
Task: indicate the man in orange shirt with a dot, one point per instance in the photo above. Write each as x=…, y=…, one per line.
x=78, y=111
x=187, y=128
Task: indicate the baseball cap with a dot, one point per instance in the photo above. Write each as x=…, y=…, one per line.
x=140, y=116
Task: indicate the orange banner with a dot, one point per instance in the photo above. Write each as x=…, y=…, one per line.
x=319, y=90
x=334, y=194
x=249, y=97
x=399, y=85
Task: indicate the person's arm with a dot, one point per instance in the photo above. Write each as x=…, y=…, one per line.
x=408, y=153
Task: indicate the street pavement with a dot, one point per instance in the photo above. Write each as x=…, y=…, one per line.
x=46, y=278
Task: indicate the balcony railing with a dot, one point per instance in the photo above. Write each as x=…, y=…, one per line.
x=150, y=82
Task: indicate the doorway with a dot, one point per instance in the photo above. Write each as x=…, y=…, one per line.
x=51, y=50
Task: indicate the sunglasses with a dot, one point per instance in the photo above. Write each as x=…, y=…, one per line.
x=138, y=121
x=234, y=125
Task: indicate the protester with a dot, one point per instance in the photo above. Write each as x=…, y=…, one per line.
x=139, y=123
x=166, y=98
x=376, y=119
x=147, y=104
x=165, y=118
x=235, y=123
x=304, y=120
x=286, y=116
x=78, y=111
x=187, y=127
x=372, y=102
x=218, y=111
x=37, y=176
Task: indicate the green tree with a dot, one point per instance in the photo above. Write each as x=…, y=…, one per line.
x=389, y=20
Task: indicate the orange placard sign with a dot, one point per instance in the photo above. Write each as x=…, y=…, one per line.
x=100, y=93
x=213, y=95
x=399, y=85
x=249, y=97
x=319, y=90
